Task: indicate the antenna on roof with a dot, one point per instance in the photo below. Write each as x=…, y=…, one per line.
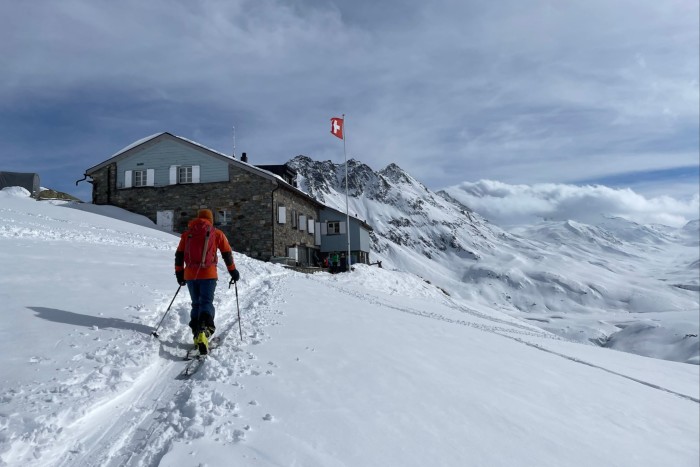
x=234, y=141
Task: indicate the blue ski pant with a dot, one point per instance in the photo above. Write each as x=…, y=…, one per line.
x=202, y=295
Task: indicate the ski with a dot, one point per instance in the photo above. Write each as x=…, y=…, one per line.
x=192, y=366
x=195, y=359
x=191, y=353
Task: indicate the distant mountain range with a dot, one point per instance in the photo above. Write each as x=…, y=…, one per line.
x=601, y=277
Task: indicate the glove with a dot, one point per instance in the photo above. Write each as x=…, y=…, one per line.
x=235, y=274
x=180, y=276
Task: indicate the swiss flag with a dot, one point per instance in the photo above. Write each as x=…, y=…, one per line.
x=337, y=127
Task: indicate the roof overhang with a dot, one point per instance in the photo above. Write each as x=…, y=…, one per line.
x=360, y=221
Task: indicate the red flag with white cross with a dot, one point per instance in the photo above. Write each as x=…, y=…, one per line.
x=337, y=127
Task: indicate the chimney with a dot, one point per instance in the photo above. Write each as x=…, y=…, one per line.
x=244, y=157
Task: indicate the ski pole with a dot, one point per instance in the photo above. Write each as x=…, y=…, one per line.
x=237, y=307
x=155, y=333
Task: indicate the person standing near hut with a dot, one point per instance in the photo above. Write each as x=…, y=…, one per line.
x=334, y=262
x=195, y=266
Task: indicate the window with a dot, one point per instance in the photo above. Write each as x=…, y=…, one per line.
x=333, y=228
x=294, y=218
x=302, y=222
x=184, y=174
x=223, y=217
x=139, y=177
x=281, y=215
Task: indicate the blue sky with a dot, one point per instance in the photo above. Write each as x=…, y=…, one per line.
x=452, y=91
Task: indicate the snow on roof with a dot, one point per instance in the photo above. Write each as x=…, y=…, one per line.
x=155, y=135
x=204, y=147
x=15, y=191
x=136, y=143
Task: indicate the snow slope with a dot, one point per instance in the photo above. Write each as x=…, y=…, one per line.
x=373, y=368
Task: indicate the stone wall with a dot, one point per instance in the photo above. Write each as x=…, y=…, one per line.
x=250, y=201
x=246, y=196
x=285, y=234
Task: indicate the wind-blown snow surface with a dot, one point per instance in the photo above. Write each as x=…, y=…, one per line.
x=373, y=368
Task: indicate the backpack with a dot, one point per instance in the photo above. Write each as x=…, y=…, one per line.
x=200, y=246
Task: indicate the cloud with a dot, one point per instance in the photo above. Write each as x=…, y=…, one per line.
x=508, y=205
x=450, y=90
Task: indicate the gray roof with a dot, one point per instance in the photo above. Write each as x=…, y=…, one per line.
x=28, y=180
x=363, y=223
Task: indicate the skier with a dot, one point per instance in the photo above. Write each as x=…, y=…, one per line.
x=195, y=266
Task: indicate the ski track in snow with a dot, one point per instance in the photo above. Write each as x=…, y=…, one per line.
x=583, y=362
x=512, y=327
x=510, y=332
x=140, y=425
x=137, y=426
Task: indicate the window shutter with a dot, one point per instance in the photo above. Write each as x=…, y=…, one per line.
x=302, y=222
x=342, y=228
x=195, y=174
x=324, y=228
x=127, y=178
x=311, y=226
x=150, y=177
x=317, y=235
x=173, y=174
x=281, y=215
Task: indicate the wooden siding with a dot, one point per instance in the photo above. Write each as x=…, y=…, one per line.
x=166, y=153
x=359, y=236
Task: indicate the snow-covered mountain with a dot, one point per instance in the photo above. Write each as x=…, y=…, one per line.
x=603, y=277
x=406, y=216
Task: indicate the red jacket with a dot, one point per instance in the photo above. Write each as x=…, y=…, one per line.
x=194, y=271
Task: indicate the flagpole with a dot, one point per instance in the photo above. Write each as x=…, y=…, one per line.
x=347, y=209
